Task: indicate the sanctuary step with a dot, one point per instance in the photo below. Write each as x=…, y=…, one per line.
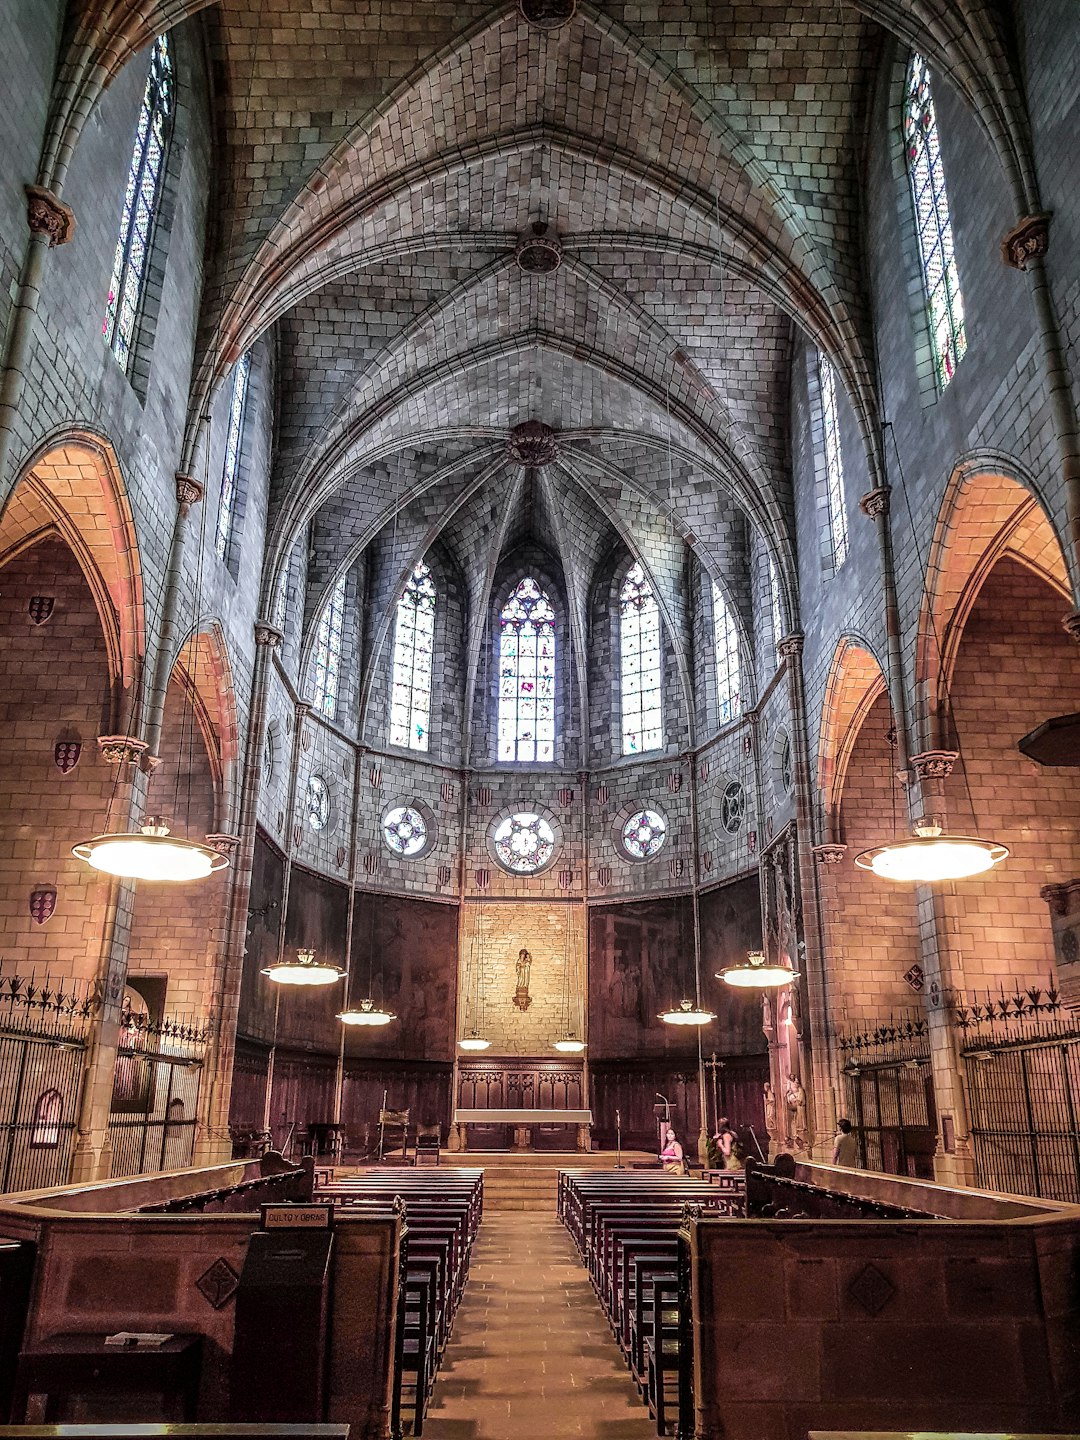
x=528, y=1181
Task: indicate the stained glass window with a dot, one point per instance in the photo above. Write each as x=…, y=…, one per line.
x=405, y=830
x=644, y=834
x=834, y=464
x=318, y=803
x=526, y=726
x=268, y=756
x=327, y=659
x=639, y=644
x=241, y=371
x=414, y=641
x=733, y=807
x=726, y=640
x=774, y=603
x=922, y=149
x=524, y=843
x=281, y=600
x=140, y=203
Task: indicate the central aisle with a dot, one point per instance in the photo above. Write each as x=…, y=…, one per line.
x=531, y=1355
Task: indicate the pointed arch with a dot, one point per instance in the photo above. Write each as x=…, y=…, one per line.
x=856, y=680
x=203, y=665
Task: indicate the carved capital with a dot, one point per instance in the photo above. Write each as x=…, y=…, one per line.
x=267, y=634
x=224, y=844
x=1026, y=240
x=1072, y=625
x=934, y=764
x=189, y=491
x=48, y=215
x=1057, y=897
x=829, y=854
x=876, y=502
x=790, y=646
x=121, y=749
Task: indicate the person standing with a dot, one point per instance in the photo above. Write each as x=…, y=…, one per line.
x=845, y=1150
x=671, y=1156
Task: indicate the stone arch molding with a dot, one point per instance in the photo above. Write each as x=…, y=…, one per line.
x=855, y=682
x=74, y=485
x=202, y=665
x=991, y=508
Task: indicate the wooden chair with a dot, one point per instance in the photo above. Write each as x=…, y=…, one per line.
x=428, y=1139
x=393, y=1121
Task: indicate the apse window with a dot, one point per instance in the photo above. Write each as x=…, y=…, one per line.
x=231, y=470
x=523, y=843
x=834, y=464
x=728, y=673
x=933, y=222
x=733, y=807
x=318, y=803
x=526, y=714
x=414, y=644
x=127, y=284
x=775, y=609
x=326, y=662
x=405, y=831
x=644, y=834
x=640, y=675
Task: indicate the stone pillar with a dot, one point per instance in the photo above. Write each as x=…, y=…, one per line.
x=822, y=1096
x=50, y=222
x=690, y=760
x=189, y=492
x=92, y=1156
x=876, y=506
x=213, y=1144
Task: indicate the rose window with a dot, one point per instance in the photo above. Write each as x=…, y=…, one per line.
x=524, y=843
x=644, y=834
x=404, y=830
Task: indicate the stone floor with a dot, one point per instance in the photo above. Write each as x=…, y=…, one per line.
x=532, y=1357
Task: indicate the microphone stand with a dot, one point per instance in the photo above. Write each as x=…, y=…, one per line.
x=618, y=1142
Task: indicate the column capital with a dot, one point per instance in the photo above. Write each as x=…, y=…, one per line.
x=121, y=749
x=876, y=502
x=934, y=764
x=790, y=646
x=189, y=491
x=1071, y=623
x=1027, y=240
x=267, y=635
x=829, y=854
x=46, y=214
x=223, y=843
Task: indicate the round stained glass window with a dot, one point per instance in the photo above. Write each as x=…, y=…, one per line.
x=268, y=756
x=644, y=834
x=524, y=843
x=733, y=807
x=405, y=830
x=318, y=802
x=785, y=763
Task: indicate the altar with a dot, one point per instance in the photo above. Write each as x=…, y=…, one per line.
x=512, y=1104
x=522, y=1123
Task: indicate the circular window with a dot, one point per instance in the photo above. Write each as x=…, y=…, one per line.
x=523, y=843
x=733, y=807
x=318, y=802
x=268, y=756
x=405, y=830
x=785, y=763
x=644, y=834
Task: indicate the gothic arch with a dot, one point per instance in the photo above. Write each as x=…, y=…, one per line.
x=855, y=682
x=203, y=666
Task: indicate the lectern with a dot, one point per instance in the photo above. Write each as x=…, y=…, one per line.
x=663, y=1120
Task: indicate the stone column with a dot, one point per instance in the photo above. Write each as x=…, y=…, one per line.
x=214, y=1143
x=690, y=760
x=876, y=506
x=189, y=492
x=51, y=222
x=822, y=1096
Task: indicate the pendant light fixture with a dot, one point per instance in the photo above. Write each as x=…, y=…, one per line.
x=757, y=973
x=367, y=1012
x=473, y=1039
x=930, y=856
x=689, y=1012
x=569, y=1043
x=304, y=970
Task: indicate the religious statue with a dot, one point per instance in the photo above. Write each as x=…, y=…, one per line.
x=795, y=1096
x=770, y=1110
x=522, y=998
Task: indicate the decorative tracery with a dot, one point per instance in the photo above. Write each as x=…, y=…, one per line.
x=728, y=669
x=523, y=843
x=230, y=472
x=834, y=464
x=141, y=198
x=639, y=646
x=941, y=281
x=326, y=662
x=526, y=718
x=644, y=834
x=414, y=640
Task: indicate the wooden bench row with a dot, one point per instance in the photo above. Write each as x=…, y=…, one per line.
x=442, y=1215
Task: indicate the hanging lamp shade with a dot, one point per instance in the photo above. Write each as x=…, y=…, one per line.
x=930, y=856
x=304, y=970
x=150, y=854
x=757, y=973
x=473, y=1041
x=687, y=1012
x=569, y=1044
x=366, y=1013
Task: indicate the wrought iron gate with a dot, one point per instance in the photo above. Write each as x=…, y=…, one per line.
x=1024, y=1101
x=162, y=1137
x=40, y=1081
x=891, y=1108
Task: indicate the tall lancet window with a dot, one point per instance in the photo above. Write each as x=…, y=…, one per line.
x=775, y=608
x=231, y=470
x=834, y=464
x=526, y=727
x=326, y=662
x=639, y=646
x=145, y=174
x=944, y=302
x=728, y=670
x=414, y=640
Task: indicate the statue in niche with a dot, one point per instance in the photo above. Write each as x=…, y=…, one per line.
x=522, y=998
x=770, y=1110
x=795, y=1097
